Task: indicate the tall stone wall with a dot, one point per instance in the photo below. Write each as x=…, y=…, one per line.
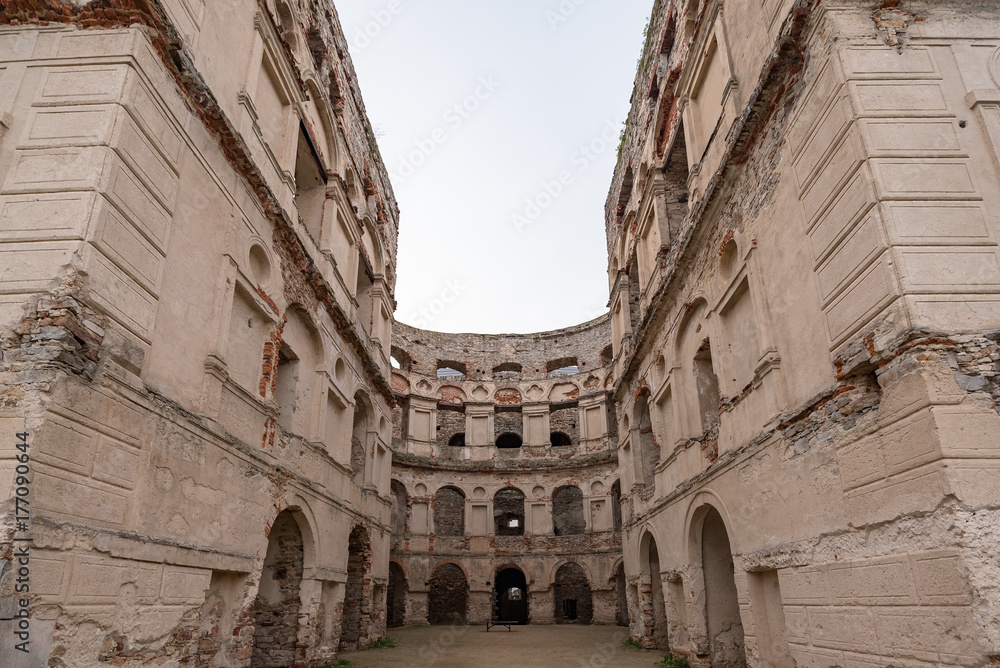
x=527, y=508
x=198, y=250
x=797, y=351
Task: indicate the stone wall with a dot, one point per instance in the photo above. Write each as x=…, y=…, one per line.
x=448, y=596
x=787, y=312
x=557, y=494
x=276, y=610
x=176, y=341
x=449, y=512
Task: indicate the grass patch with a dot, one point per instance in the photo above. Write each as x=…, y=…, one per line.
x=384, y=643
x=671, y=661
x=343, y=663
x=631, y=643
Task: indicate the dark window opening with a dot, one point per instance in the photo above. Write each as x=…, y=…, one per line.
x=457, y=441
x=401, y=359
x=510, y=596
x=564, y=366
x=509, y=440
x=508, y=512
x=559, y=439
x=451, y=369
x=507, y=367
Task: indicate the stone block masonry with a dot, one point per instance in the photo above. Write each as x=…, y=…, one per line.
x=777, y=449
x=182, y=330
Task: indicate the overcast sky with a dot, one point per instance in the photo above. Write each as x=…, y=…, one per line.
x=498, y=122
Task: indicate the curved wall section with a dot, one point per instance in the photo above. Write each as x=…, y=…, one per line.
x=505, y=448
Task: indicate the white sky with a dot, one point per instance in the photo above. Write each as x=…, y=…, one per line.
x=535, y=83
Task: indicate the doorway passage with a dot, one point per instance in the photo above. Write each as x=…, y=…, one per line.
x=510, y=596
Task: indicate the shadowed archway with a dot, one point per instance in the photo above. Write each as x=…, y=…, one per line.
x=510, y=595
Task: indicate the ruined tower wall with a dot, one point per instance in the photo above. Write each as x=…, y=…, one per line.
x=803, y=205
x=510, y=384
x=198, y=241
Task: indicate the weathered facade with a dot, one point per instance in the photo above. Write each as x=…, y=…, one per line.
x=505, y=476
x=802, y=235
x=779, y=448
x=197, y=252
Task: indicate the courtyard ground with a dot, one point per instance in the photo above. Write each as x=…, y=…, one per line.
x=568, y=646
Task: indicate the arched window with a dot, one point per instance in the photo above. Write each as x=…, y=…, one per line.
x=457, y=441
x=567, y=511
x=559, y=439
x=508, y=512
x=564, y=366
x=451, y=370
x=449, y=512
x=508, y=440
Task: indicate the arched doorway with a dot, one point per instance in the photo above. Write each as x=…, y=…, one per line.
x=658, y=635
x=510, y=596
x=722, y=610
x=573, y=600
x=621, y=597
x=357, y=601
x=448, y=598
x=276, y=609
x=396, y=596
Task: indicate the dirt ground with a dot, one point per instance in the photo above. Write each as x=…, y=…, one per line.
x=523, y=647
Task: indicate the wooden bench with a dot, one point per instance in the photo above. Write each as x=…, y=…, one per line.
x=507, y=624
